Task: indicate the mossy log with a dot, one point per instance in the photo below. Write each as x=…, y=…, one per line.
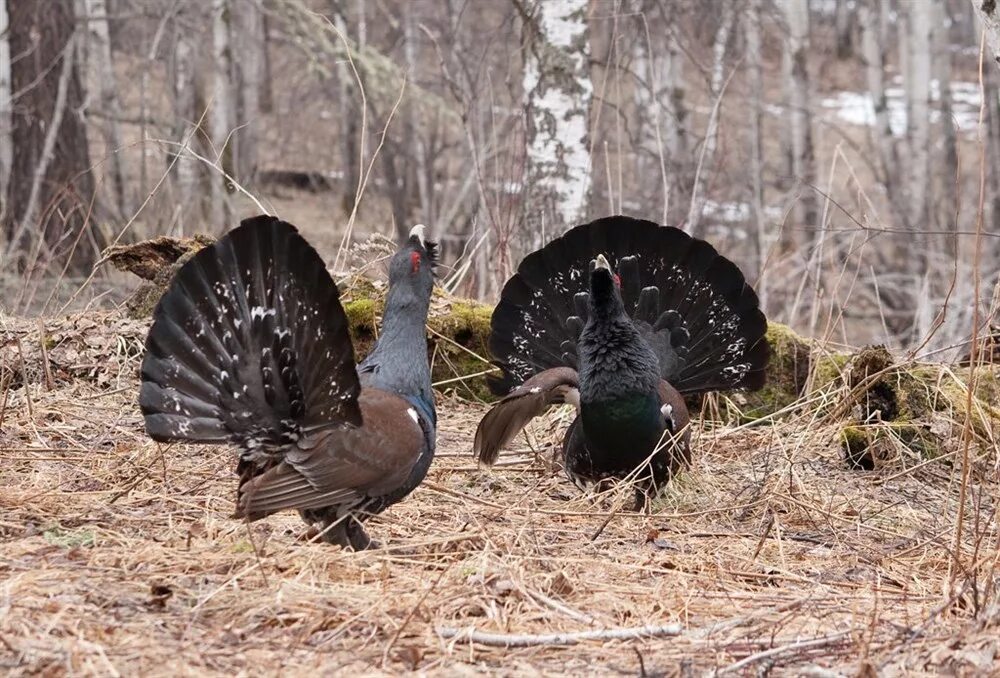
x=922, y=408
x=862, y=389
x=155, y=261
x=458, y=333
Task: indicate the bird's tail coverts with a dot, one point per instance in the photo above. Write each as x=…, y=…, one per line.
x=249, y=344
x=693, y=306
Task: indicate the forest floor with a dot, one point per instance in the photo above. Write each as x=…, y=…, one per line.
x=119, y=555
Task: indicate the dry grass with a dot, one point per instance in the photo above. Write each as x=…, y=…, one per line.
x=119, y=556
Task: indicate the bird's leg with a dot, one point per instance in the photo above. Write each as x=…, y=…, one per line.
x=332, y=530
x=359, y=539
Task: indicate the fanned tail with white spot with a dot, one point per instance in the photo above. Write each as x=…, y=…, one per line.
x=692, y=305
x=250, y=345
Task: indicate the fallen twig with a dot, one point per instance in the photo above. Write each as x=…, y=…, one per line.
x=782, y=649
x=532, y=640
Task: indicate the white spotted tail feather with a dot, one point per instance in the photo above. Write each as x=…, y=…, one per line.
x=692, y=305
x=250, y=345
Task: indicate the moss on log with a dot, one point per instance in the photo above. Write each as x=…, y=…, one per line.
x=883, y=405
x=918, y=407
x=155, y=261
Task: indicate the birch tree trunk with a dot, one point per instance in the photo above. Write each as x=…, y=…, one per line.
x=988, y=12
x=844, y=21
x=874, y=43
x=991, y=92
x=186, y=114
x=417, y=149
x=101, y=81
x=945, y=202
x=558, y=90
x=220, y=121
x=266, y=93
x=349, y=114
x=6, y=141
x=248, y=48
x=51, y=187
x=918, y=97
x=675, y=137
x=707, y=155
x=802, y=162
x=755, y=78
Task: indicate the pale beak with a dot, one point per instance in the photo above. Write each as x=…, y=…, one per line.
x=602, y=262
x=418, y=231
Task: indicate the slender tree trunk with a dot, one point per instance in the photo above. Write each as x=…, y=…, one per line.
x=220, y=114
x=874, y=41
x=796, y=73
x=845, y=19
x=988, y=12
x=248, y=47
x=349, y=117
x=102, y=81
x=755, y=78
x=266, y=95
x=51, y=187
x=707, y=156
x=558, y=90
x=669, y=87
x=946, y=190
x=991, y=82
x=6, y=141
x=417, y=149
x=918, y=95
x=187, y=111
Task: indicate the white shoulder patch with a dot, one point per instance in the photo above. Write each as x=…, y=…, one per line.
x=413, y=414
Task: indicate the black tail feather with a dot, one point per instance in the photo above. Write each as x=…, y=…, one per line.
x=249, y=344
x=693, y=305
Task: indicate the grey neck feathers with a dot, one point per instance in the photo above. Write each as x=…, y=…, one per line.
x=398, y=363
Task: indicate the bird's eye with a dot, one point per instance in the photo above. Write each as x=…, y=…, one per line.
x=414, y=262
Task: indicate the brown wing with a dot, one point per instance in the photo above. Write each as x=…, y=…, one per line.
x=678, y=417
x=340, y=466
x=512, y=413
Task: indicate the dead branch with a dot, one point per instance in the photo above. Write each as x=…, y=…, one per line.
x=572, y=638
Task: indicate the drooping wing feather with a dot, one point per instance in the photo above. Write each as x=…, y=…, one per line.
x=512, y=413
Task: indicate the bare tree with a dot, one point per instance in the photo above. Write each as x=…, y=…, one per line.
x=558, y=92
x=220, y=112
x=845, y=19
x=5, y=109
x=248, y=69
x=945, y=195
x=795, y=72
x=102, y=89
x=917, y=84
x=755, y=77
x=716, y=84
x=874, y=20
x=988, y=12
x=187, y=109
x=51, y=190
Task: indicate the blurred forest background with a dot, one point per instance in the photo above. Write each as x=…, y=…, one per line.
x=846, y=153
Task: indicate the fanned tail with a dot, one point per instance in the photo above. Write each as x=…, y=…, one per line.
x=692, y=305
x=249, y=345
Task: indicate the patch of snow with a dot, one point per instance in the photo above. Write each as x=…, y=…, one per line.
x=858, y=108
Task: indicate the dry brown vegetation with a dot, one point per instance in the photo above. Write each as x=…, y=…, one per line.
x=120, y=557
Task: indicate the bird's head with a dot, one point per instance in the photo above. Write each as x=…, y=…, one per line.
x=605, y=287
x=412, y=266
